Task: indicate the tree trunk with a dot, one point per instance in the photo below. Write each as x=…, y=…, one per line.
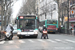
x=2, y=15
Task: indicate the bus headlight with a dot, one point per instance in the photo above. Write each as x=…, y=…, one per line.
x=18, y=32
x=56, y=28
x=35, y=31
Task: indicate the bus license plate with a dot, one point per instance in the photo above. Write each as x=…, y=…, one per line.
x=51, y=31
x=27, y=35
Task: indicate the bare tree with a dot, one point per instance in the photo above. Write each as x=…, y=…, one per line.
x=48, y=8
x=45, y=10
x=29, y=7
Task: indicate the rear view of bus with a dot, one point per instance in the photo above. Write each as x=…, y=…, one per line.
x=27, y=26
x=52, y=25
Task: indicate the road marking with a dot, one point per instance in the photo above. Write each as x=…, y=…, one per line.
x=40, y=40
x=21, y=41
x=17, y=47
x=51, y=41
x=2, y=42
x=64, y=42
x=70, y=41
x=15, y=36
x=31, y=40
x=10, y=42
x=60, y=41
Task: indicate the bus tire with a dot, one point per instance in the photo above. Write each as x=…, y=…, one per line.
x=53, y=32
x=35, y=36
x=19, y=37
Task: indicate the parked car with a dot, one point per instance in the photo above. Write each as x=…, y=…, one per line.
x=15, y=29
x=40, y=28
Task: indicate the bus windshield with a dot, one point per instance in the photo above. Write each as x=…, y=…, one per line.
x=51, y=21
x=27, y=24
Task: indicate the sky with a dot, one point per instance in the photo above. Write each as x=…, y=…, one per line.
x=16, y=8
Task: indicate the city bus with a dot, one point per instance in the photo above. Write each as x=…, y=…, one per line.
x=52, y=25
x=27, y=26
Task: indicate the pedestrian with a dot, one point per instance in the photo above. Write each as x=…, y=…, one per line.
x=70, y=29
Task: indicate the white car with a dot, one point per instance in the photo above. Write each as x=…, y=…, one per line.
x=15, y=29
x=40, y=28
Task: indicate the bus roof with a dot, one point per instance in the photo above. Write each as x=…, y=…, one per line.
x=48, y=19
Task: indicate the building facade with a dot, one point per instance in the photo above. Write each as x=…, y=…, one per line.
x=72, y=13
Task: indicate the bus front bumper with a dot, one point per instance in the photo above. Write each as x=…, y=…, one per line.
x=27, y=34
x=52, y=30
x=20, y=35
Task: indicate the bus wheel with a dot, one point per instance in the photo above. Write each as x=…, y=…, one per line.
x=19, y=37
x=53, y=32
x=35, y=36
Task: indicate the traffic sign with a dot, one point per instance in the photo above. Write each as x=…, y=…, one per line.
x=72, y=11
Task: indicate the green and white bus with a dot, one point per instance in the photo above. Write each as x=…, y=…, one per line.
x=52, y=25
x=27, y=26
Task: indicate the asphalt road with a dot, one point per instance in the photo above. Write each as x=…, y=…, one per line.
x=55, y=42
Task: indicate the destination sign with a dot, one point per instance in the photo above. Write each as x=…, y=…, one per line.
x=27, y=17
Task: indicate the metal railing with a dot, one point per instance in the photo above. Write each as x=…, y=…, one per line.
x=2, y=35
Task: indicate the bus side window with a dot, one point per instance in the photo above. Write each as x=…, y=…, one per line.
x=20, y=26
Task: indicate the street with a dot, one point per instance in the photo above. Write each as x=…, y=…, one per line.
x=26, y=17
x=55, y=42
